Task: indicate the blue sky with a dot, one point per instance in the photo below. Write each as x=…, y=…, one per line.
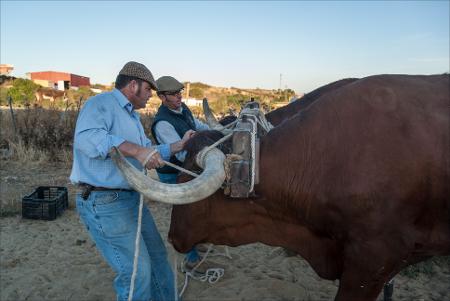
x=230, y=43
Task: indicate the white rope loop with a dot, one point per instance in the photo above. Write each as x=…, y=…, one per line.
x=211, y=275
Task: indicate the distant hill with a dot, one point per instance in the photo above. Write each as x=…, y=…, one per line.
x=200, y=90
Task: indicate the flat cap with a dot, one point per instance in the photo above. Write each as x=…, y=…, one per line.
x=139, y=70
x=168, y=84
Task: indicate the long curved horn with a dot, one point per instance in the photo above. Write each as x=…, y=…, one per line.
x=198, y=189
x=211, y=120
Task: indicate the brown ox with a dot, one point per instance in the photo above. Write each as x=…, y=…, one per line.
x=50, y=94
x=357, y=184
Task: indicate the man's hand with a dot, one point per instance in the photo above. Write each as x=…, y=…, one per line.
x=150, y=158
x=155, y=161
x=179, y=145
x=188, y=135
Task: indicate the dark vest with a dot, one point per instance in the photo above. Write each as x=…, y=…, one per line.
x=181, y=122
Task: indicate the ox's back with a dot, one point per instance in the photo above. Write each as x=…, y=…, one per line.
x=279, y=115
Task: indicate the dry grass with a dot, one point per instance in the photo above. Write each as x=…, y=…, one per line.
x=36, y=135
x=41, y=135
x=20, y=152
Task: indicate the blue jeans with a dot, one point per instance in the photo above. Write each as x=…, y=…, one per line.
x=111, y=220
x=171, y=178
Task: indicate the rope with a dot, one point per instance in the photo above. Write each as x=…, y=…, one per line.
x=231, y=124
x=181, y=169
x=169, y=164
x=175, y=272
x=219, y=142
x=211, y=275
x=136, y=250
x=203, y=152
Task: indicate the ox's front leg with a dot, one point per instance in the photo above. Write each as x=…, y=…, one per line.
x=365, y=271
x=356, y=287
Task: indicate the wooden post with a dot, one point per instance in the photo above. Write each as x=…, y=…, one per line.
x=79, y=104
x=188, y=86
x=13, y=118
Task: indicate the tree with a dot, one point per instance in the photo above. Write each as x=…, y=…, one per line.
x=22, y=91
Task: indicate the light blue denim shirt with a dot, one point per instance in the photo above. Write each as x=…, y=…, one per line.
x=107, y=120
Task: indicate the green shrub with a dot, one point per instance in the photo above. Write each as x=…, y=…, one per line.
x=23, y=91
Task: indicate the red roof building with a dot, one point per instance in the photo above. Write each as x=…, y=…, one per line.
x=62, y=80
x=6, y=69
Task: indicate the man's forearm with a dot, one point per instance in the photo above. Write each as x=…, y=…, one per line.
x=176, y=147
x=129, y=149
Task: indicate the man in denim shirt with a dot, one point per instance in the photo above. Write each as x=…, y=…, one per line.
x=106, y=204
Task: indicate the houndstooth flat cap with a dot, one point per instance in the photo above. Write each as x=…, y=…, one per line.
x=140, y=71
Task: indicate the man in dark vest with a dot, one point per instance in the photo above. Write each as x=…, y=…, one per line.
x=172, y=121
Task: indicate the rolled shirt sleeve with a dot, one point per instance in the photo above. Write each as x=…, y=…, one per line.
x=96, y=143
x=92, y=136
x=164, y=151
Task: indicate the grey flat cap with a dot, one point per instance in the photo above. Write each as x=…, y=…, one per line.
x=168, y=84
x=140, y=71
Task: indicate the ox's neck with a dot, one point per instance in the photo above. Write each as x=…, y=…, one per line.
x=245, y=221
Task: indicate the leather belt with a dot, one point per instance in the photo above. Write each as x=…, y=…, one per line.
x=86, y=189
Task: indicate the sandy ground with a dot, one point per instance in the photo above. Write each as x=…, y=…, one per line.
x=56, y=260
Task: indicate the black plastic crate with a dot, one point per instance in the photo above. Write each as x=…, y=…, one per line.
x=45, y=203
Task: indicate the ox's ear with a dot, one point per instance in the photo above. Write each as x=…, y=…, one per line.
x=198, y=189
